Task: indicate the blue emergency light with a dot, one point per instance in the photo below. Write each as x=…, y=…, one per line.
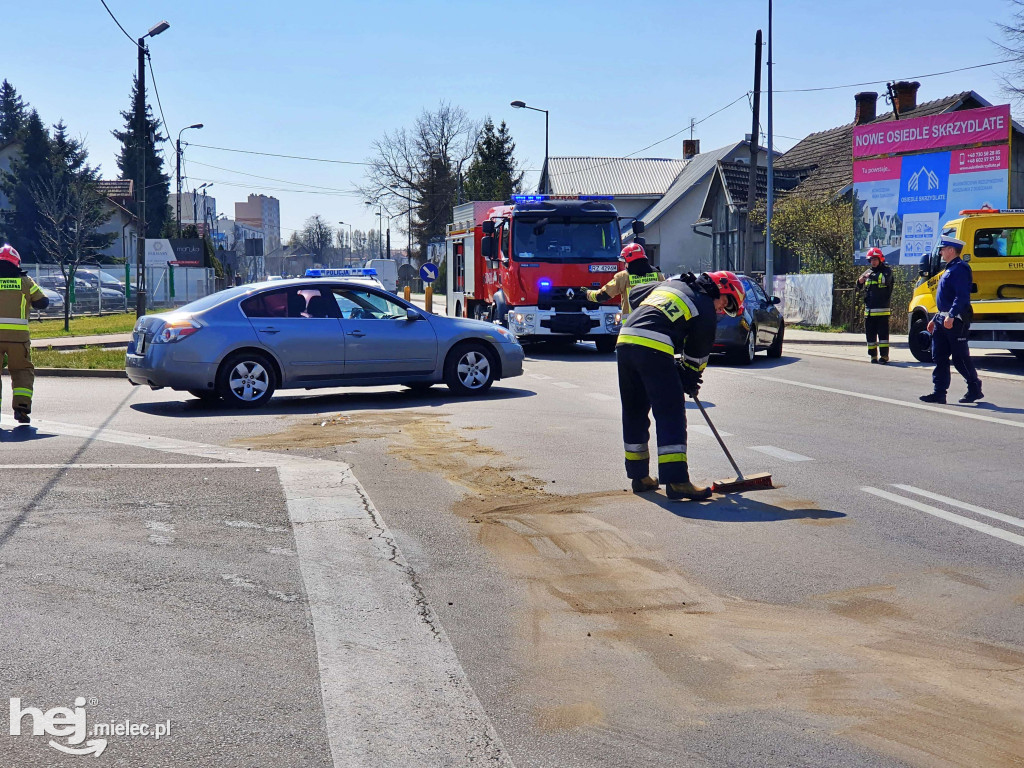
x=342, y=272
x=529, y=198
x=544, y=285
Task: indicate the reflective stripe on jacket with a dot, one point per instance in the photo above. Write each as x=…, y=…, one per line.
x=620, y=285
x=16, y=295
x=672, y=317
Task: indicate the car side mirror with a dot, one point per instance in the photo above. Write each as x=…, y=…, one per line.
x=412, y=314
x=487, y=246
x=775, y=300
x=638, y=227
x=487, y=227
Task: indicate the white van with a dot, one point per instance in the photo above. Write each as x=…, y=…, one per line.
x=387, y=272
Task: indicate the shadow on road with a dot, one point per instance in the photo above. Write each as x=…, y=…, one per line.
x=986, y=406
x=564, y=352
x=23, y=434
x=300, y=405
x=735, y=508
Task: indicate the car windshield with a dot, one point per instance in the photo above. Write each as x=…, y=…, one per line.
x=563, y=239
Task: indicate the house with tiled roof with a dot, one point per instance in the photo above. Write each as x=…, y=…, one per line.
x=119, y=199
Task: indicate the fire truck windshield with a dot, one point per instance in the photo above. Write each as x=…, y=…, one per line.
x=565, y=240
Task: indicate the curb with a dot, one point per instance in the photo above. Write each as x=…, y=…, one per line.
x=45, y=343
x=89, y=373
x=840, y=342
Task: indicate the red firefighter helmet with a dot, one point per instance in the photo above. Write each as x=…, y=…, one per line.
x=731, y=289
x=876, y=253
x=632, y=252
x=7, y=253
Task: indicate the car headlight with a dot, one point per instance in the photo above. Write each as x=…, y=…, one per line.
x=176, y=331
x=503, y=335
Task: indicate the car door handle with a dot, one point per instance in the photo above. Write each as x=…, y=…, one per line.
x=268, y=330
x=358, y=334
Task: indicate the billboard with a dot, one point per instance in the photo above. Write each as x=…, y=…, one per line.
x=910, y=176
x=186, y=252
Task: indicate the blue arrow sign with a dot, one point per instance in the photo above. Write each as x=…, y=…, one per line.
x=429, y=272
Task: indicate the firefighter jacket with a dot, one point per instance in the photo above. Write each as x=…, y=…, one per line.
x=620, y=285
x=953, y=296
x=17, y=293
x=877, y=290
x=673, y=317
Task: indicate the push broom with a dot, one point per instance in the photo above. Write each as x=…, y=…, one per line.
x=740, y=482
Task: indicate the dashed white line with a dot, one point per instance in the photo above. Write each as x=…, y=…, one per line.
x=601, y=396
x=962, y=505
x=194, y=465
x=538, y=376
x=967, y=522
x=703, y=429
x=780, y=453
x=565, y=385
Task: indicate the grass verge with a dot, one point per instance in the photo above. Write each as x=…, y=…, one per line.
x=90, y=357
x=85, y=326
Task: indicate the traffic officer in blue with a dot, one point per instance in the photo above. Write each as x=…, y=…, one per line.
x=950, y=325
x=675, y=316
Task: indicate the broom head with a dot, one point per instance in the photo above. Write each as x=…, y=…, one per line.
x=756, y=482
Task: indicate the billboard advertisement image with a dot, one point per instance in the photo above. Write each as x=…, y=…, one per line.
x=926, y=177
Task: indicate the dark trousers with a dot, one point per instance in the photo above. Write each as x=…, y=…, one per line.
x=649, y=381
x=876, y=328
x=948, y=343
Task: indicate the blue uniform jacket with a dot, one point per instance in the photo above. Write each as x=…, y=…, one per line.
x=953, y=297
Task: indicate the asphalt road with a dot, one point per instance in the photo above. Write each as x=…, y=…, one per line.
x=867, y=611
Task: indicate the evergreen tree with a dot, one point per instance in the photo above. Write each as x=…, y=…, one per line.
x=29, y=171
x=67, y=154
x=157, y=182
x=13, y=113
x=493, y=173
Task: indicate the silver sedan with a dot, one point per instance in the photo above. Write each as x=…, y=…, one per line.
x=243, y=343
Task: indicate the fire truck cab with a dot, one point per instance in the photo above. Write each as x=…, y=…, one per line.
x=522, y=264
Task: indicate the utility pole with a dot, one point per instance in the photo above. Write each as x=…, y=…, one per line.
x=141, y=128
x=769, y=266
x=747, y=264
x=177, y=172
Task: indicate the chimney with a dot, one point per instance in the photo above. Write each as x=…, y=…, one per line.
x=691, y=147
x=906, y=95
x=867, y=102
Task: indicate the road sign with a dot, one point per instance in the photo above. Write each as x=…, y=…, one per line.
x=429, y=272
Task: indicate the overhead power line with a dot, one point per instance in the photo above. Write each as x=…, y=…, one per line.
x=881, y=82
x=287, y=157
x=271, y=178
x=152, y=76
x=134, y=42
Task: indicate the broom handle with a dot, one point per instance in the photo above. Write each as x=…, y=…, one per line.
x=718, y=437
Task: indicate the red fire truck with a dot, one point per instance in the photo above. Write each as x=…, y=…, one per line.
x=523, y=264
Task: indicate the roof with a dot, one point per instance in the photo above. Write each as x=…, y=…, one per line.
x=736, y=178
x=116, y=187
x=695, y=171
x=619, y=176
x=828, y=155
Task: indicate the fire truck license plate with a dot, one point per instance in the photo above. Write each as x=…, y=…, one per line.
x=604, y=267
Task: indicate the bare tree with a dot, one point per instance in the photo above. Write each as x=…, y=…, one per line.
x=1013, y=34
x=423, y=167
x=71, y=212
x=317, y=237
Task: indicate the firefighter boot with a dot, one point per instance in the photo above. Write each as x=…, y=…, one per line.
x=21, y=416
x=873, y=353
x=687, y=490
x=645, y=484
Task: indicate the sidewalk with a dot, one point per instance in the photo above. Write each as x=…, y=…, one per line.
x=68, y=343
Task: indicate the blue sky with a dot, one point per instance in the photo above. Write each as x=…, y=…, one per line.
x=324, y=79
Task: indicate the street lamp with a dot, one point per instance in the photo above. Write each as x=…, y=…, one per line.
x=380, y=209
x=143, y=135
x=195, y=205
x=349, y=240
x=178, y=172
x=547, y=179
x=382, y=216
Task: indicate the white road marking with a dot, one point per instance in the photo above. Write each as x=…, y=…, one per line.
x=967, y=522
x=962, y=505
x=197, y=465
x=565, y=385
x=959, y=412
x=704, y=429
x=780, y=453
x=601, y=396
x=539, y=376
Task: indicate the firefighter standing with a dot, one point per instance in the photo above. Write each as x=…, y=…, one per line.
x=638, y=271
x=678, y=315
x=877, y=284
x=951, y=324
x=17, y=292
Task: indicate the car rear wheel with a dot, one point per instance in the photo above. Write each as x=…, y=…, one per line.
x=915, y=339
x=745, y=354
x=469, y=369
x=775, y=350
x=246, y=380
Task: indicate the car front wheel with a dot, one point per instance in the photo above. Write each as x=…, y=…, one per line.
x=745, y=354
x=775, y=350
x=921, y=350
x=246, y=380
x=469, y=370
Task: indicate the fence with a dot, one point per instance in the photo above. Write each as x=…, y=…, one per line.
x=101, y=290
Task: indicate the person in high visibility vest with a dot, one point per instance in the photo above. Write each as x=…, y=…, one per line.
x=675, y=316
x=877, y=285
x=17, y=292
x=638, y=271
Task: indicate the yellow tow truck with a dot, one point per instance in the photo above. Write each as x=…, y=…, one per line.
x=994, y=248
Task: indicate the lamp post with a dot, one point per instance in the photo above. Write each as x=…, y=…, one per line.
x=143, y=135
x=547, y=179
x=195, y=205
x=381, y=216
x=178, y=171
x=349, y=243
x=380, y=212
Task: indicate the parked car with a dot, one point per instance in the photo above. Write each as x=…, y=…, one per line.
x=56, y=305
x=759, y=327
x=87, y=297
x=243, y=343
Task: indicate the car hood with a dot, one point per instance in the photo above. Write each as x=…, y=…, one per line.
x=465, y=325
